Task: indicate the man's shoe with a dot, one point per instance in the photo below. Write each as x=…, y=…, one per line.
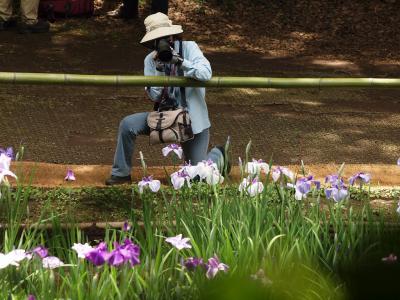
x=114, y=180
x=226, y=154
x=4, y=25
x=39, y=27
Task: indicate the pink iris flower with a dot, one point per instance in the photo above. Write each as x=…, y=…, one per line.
x=214, y=266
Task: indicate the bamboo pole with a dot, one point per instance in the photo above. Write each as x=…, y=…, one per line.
x=219, y=82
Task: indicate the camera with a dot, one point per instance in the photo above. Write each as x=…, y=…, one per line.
x=164, y=50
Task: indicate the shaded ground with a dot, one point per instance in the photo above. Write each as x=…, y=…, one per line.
x=70, y=125
x=78, y=125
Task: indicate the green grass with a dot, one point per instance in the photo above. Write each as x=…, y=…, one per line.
x=306, y=241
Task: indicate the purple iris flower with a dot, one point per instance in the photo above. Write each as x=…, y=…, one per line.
x=9, y=152
x=214, y=266
x=360, y=177
x=398, y=162
x=31, y=297
x=41, y=251
x=337, y=193
x=334, y=180
x=70, y=176
x=128, y=252
x=133, y=252
x=98, y=255
x=126, y=226
x=192, y=263
x=303, y=186
x=337, y=190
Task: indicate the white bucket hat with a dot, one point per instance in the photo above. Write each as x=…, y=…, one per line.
x=159, y=25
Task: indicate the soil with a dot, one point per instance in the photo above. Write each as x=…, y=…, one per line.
x=78, y=125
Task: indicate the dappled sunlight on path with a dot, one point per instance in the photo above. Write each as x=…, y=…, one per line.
x=52, y=175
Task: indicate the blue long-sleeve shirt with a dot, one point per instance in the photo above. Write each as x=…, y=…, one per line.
x=194, y=65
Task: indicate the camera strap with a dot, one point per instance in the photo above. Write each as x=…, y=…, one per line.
x=180, y=73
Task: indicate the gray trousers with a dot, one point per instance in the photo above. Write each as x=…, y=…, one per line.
x=131, y=126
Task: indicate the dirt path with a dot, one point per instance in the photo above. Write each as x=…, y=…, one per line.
x=78, y=125
x=52, y=175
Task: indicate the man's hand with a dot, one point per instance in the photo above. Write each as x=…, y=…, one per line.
x=160, y=66
x=176, y=59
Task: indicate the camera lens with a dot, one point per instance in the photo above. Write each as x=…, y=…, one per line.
x=164, y=50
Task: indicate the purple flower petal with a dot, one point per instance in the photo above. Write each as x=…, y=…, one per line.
x=98, y=255
x=41, y=251
x=192, y=263
x=360, y=177
x=214, y=265
x=126, y=226
x=9, y=152
x=336, y=193
x=70, y=176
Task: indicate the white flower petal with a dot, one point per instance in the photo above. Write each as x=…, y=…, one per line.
x=166, y=150
x=177, y=181
x=179, y=152
x=275, y=175
x=51, y=262
x=82, y=249
x=155, y=185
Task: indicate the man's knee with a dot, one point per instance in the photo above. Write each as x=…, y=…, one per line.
x=131, y=125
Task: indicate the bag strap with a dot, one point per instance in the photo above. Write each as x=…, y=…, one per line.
x=180, y=73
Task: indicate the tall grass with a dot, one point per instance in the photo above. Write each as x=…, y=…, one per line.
x=275, y=246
